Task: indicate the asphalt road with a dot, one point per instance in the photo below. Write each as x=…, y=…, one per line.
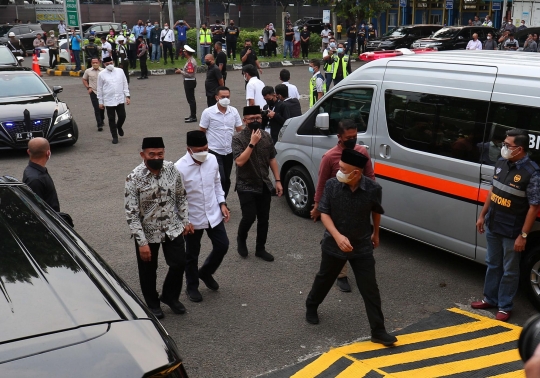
x=255, y=323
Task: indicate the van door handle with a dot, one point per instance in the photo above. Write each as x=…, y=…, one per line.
x=384, y=151
x=360, y=143
x=486, y=182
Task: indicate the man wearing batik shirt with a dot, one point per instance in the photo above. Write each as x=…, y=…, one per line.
x=157, y=213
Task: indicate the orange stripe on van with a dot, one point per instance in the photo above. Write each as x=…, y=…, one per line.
x=429, y=182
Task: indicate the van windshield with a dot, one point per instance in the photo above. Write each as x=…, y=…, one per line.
x=446, y=33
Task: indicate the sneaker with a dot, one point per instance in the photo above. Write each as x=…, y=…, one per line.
x=120, y=131
x=384, y=339
x=193, y=295
x=311, y=315
x=157, y=61
x=209, y=281
x=264, y=255
x=100, y=128
x=503, y=316
x=242, y=247
x=481, y=305
x=343, y=285
x=114, y=140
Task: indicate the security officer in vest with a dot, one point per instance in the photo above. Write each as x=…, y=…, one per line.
x=342, y=64
x=507, y=217
x=317, y=86
x=328, y=59
x=205, y=38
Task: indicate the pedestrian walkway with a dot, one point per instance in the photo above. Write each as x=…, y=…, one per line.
x=452, y=343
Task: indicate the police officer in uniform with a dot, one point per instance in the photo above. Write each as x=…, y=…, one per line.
x=361, y=40
x=342, y=65
x=507, y=217
x=328, y=59
x=317, y=86
x=123, y=61
x=91, y=50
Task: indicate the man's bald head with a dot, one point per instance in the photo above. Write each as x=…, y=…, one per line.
x=209, y=58
x=38, y=148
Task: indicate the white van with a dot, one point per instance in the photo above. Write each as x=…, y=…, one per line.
x=429, y=122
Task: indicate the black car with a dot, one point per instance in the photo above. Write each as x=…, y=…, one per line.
x=401, y=37
x=25, y=33
x=454, y=37
x=29, y=109
x=7, y=59
x=522, y=35
x=100, y=29
x=65, y=312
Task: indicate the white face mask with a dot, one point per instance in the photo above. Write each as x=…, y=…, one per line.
x=224, y=102
x=507, y=153
x=166, y=28
x=342, y=177
x=488, y=37
x=199, y=156
x=509, y=22
x=110, y=67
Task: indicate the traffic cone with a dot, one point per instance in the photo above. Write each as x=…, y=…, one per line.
x=35, y=65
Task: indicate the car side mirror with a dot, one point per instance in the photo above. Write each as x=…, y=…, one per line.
x=460, y=37
x=322, y=122
x=20, y=59
x=57, y=89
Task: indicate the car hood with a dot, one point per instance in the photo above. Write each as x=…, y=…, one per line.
x=44, y=288
x=12, y=108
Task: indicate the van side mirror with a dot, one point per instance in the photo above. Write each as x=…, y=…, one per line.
x=57, y=89
x=322, y=122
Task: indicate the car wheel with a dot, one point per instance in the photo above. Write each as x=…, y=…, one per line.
x=75, y=135
x=299, y=191
x=530, y=273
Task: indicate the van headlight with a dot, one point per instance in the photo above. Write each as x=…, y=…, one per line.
x=66, y=116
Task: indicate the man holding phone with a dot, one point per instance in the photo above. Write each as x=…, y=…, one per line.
x=248, y=56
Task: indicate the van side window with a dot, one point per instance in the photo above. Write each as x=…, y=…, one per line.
x=442, y=125
x=503, y=117
x=352, y=104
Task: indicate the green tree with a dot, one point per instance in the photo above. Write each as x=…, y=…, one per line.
x=358, y=9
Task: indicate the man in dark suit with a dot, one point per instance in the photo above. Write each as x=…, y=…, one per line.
x=282, y=94
x=275, y=112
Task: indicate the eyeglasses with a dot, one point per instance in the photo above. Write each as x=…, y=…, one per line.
x=249, y=120
x=508, y=146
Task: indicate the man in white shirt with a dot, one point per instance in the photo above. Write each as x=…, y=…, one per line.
x=61, y=27
x=207, y=211
x=112, y=93
x=254, y=87
x=167, y=39
x=285, y=76
x=325, y=33
x=474, y=43
x=219, y=123
x=106, y=49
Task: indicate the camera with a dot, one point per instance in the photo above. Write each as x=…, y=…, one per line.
x=264, y=113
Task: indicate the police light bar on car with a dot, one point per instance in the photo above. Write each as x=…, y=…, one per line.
x=374, y=55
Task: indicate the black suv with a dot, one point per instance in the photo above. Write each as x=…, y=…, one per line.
x=401, y=37
x=64, y=311
x=522, y=35
x=25, y=33
x=454, y=37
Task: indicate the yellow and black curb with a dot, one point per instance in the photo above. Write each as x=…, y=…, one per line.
x=451, y=343
x=52, y=72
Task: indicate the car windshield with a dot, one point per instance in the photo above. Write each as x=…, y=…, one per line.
x=4, y=29
x=399, y=32
x=16, y=85
x=6, y=57
x=389, y=32
x=446, y=33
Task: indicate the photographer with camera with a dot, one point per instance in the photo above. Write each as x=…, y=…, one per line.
x=248, y=56
x=274, y=113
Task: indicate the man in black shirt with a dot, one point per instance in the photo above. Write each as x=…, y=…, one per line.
x=248, y=56
x=304, y=42
x=231, y=37
x=214, y=79
x=36, y=175
x=221, y=60
x=289, y=37
x=351, y=39
x=282, y=94
x=275, y=113
x=348, y=201
x=217, y=33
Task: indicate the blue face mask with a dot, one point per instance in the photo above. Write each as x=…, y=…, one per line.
x=311, y=69
x=340, y=51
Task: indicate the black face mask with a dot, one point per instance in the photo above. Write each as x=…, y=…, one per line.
x=270, y=102
x=155, y=164
x=207, y=63
x=253, y=126
x=349, y=143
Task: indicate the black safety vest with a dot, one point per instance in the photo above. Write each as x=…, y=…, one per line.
x=509, y=202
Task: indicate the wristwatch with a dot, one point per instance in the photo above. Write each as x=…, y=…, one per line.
x=524, y=235
x=251, y=145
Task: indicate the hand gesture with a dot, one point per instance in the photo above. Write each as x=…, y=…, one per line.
x=344, y=244
x=519, y=244
x=188, y=230
x=128, y=101
x=225, y=212
x=279, y=188
x=315, y=214
x=101, y=106
x=480, y=224
x=145, y=253
x=375, y=240
x=255, y=137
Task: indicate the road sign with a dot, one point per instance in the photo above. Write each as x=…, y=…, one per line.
x=72, y=13
x=449, y=4
x=326, y=16
x=402, y=3
x=496, y=6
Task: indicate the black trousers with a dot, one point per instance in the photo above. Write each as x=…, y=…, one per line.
x=231, y=49
x=305, y=49
x=255, y=206
x=53, y=54
x=364, y=272
x=225, y=163
x=211, y=100
x=220, y=246
x=99, y=113
x=132, y=56
x=167, y=47
x=144, y=68
x=189, y=88
x=112, y=111
x=175, y=257
x=180, y=49
x=125, y=68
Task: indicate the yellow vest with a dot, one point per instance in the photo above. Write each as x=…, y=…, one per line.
x=345, y=61
x=205, y=37
x=313, y=94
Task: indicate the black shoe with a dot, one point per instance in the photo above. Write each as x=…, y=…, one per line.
x=100, y=128
x=176, y=306
x=384, y=339
x=311, y=315
x=209, y=281
x=120, y=131
x=242, y=247
x=158, y=313
x=186, y=118
x=264, y=255
x=194, y=295
x=140, y=77
x=191, y=119
x=343, y=285
x=114, y=140
x=146, y=77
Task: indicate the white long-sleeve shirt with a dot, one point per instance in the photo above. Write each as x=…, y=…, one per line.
x=203, y=189
x=474, y=45
x=112, y=87
x=167, y=35
x=293, y=91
